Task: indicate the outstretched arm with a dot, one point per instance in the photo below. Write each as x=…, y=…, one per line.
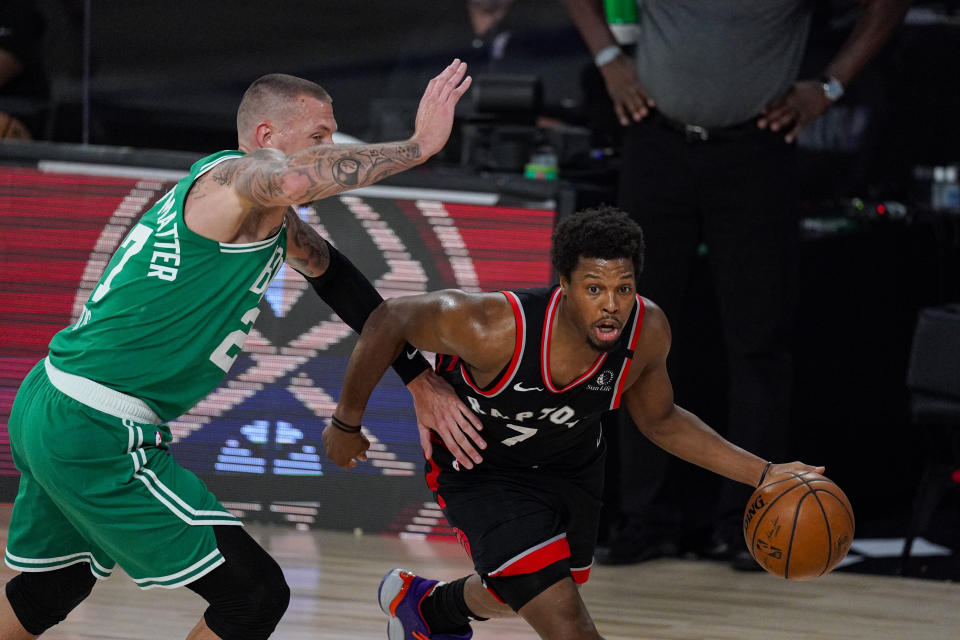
x=269, y=178
x=353, y=297
x=341, y=285
x=477, y=327
x=649, y=399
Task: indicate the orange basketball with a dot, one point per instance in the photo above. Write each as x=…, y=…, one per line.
x=798, y=525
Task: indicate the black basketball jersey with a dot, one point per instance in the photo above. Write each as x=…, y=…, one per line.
x=527, y=421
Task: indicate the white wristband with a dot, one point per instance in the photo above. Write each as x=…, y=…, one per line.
x=607, y=54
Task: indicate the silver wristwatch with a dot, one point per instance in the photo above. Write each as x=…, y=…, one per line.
x=832, y=88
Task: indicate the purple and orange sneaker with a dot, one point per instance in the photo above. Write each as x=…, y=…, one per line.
x=400, y=594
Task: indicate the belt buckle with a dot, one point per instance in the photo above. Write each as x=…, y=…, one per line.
x=695, y=133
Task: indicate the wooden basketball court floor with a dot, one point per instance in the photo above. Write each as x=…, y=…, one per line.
x=334, y=576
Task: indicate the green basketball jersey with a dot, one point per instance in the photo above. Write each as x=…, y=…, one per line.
x=172, y=309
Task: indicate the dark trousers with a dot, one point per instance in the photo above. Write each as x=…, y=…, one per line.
x=733, y=196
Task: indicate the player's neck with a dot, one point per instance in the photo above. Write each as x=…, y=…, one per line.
x=571, y=354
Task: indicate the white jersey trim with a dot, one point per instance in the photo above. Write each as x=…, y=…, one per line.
x=248, y=247
x=523, y=554
x=51, y=564
x=96, y=396
x=195, y=571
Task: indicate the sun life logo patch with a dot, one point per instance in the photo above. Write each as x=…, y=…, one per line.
x=602, y=382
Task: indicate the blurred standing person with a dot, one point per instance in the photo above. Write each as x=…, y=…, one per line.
x=712, y=103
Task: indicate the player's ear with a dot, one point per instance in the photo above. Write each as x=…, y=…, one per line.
x=264, y=134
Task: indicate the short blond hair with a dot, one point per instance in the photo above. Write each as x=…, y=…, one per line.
x=271, y=94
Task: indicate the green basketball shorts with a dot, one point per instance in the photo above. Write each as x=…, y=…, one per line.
x=104, y=489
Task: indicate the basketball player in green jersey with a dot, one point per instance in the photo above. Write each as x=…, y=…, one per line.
x=160, y=330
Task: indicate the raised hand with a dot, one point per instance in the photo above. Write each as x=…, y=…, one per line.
x=435, y=114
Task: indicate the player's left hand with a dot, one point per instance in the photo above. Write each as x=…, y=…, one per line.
x=345, y=449
x=796, y=467
x=436, y=112
x=440, y=410
x=801, y=105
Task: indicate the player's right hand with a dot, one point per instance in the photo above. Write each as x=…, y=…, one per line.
x=344, y=449
x=435, y=113
x=630, y=99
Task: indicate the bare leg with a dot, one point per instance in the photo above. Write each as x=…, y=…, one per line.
x=199, y=632
x=559, y=613
x=10, y=627
x=481, y=602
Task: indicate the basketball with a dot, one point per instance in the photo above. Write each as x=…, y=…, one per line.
x=798, y=525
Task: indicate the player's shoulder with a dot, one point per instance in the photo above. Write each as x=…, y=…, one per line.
x=655, y=330
x=207, y=163
x=652, y=312
x=471, y=302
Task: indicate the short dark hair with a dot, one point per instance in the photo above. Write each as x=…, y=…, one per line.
x=601, y=232
x=261, y=96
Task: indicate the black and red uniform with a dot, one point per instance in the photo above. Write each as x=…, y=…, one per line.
x=535, y=499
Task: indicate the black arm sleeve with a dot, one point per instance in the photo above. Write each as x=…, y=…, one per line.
x=352, y=296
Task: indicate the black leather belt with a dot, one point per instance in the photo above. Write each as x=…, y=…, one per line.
x=696, y=133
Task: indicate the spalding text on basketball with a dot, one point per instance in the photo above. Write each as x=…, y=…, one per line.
x=752, y=511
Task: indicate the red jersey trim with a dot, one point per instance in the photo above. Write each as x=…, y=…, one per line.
x=545, y=350
x=518, y=347
x=535, y=558
x=432, y=483
x=581, y=574
x=634, y=338
x=492, y=592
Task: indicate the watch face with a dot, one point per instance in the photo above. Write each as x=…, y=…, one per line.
x=832, y=88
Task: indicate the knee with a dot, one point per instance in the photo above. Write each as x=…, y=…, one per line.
x=43, y=599
x=245, y=609
x=269, y=600
x=247, y=594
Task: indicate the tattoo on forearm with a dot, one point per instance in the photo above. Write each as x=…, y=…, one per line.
x=317, y=257
x=321, y=171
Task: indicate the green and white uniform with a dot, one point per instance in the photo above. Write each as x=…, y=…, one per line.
x=159, y=332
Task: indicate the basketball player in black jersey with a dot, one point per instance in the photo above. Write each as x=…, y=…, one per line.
x=538, y=367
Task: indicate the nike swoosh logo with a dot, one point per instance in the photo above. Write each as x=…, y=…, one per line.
x=518, y=387
x=412, y=354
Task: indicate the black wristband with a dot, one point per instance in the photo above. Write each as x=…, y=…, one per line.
x=410, y=366
x=343, y=426
x=351, y=295
x=763, y=476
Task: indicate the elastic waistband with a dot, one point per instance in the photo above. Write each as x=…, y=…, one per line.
x=96, y=396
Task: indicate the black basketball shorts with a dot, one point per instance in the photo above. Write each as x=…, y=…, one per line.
x=518, y=521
